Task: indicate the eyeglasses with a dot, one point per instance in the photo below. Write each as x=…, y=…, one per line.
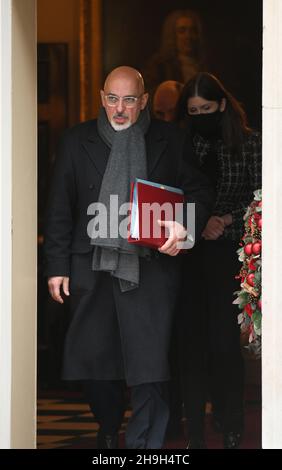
x=127, y=101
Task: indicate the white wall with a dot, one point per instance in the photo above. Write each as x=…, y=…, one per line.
x=272, y=226
x=18, y=233
x=5, y=221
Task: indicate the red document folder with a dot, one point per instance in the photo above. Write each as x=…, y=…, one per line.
x=150, y=202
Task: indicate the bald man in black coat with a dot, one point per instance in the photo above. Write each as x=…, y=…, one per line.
x=117, y=337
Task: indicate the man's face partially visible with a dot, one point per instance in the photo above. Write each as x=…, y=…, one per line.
x=121, y=115
x=164, y=104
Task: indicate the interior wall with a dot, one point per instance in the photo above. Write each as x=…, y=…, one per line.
x=97, y=59
x=24, y=224
x=58, y=22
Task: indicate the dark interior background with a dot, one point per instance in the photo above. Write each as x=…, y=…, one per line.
x=232, y=32
x=232, y=38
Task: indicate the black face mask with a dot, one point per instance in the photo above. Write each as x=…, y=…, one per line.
x=207, y=125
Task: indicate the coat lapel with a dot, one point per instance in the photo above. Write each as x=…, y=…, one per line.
x=96, y=150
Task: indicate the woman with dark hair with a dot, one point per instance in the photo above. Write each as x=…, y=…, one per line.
x=229, y=152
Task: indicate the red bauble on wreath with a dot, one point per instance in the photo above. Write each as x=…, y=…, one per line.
x=251, y=279
x=248, y=249
x=256, y=248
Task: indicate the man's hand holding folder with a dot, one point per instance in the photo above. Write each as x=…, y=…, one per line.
x=157, y=215
x=177, y=233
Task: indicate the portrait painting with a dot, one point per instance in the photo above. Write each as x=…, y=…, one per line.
x=168, y=40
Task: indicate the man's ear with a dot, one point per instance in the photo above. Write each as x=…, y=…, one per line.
x=222, y=105
x=102, y=97
x=144, y=100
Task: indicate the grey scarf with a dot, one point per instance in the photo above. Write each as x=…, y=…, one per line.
x=127, y=161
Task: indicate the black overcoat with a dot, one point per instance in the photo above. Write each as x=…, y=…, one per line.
x=114, y=335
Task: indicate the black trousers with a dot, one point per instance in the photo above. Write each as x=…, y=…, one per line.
x=150, y=411
x=209, y=336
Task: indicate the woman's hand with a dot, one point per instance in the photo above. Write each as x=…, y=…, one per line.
x=214, y=228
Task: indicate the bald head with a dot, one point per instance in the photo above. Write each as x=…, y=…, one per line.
x=165, y=100
x=123, y=97
x=127, y=75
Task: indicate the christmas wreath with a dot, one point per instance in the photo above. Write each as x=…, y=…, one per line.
x=249, y=297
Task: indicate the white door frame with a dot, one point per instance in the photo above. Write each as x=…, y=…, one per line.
x=18, y=224
x=5, y=221
x=272, y=227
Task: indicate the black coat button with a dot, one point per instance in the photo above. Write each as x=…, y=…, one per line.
x=91, y=186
